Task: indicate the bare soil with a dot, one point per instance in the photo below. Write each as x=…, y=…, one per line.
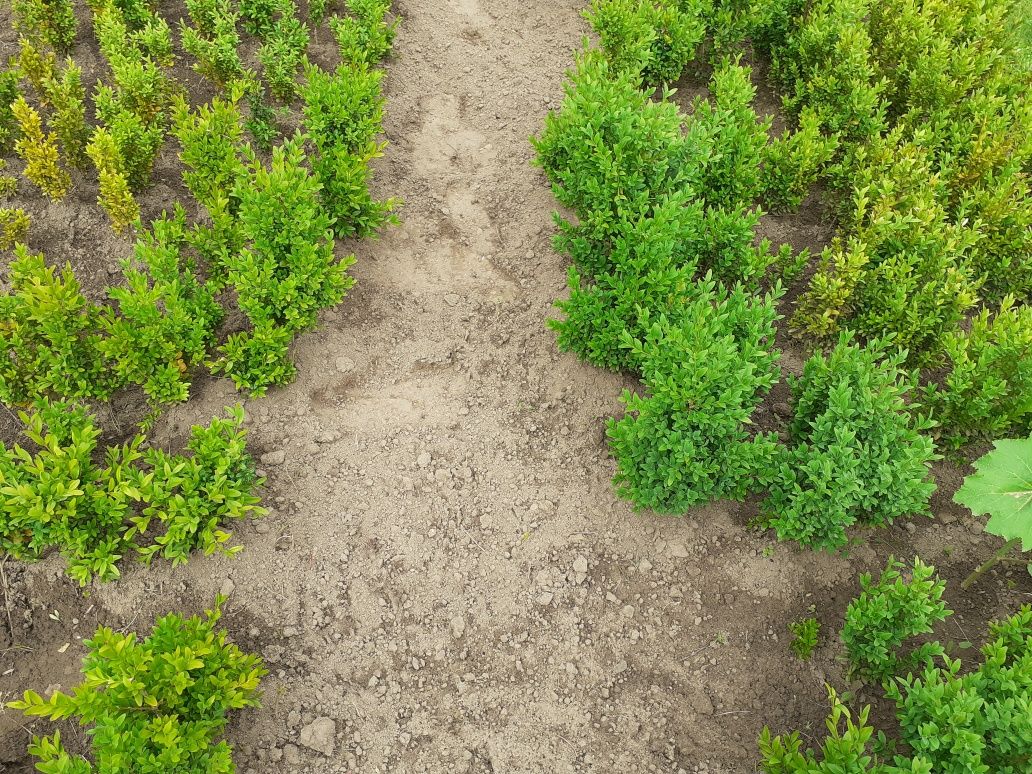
x=446, y=573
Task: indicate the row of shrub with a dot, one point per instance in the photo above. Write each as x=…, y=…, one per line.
x=666, y=282
x=928, y=106
x=268, y=230
x=952, y=719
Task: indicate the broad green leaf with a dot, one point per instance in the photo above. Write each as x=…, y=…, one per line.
x=1002, y=487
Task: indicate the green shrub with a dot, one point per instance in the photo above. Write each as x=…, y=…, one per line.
x=282, y=55
x=37, y=65
x=67, y=98
x=58, y=497
x=14, y=226
x=987, y=391
x=288, y=271
x=39, y=151
x=186, y=676
x=213, y=39
x=365, y=36
x=261, y=118
x=52, y=21
x=210, y=139
x=888, y=613
x=686, y=442
x=978, y=722
x=342, y=109
x=114, y=194
x=736, y=136
x=49, y=335
x=260, y=16
x=825, y=63
x=805, y=633
x=612, y=150
x=344, y=179
x=856, y=455
x=165, y=317
x=649, y=270
x=8, y=94
x=847, y=748
x=652, y=39
x=792, y=163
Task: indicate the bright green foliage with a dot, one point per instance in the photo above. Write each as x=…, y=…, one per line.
x=1001, y=486
x=133, y=106
x=193, y=496
x=987, y=391
x=343, y=112
x=282, y=55
x=846, y=749
x=731, y=176
x=344, y=179
x=37, y=65
x=67, y=98
x=8, y=94
x=317, y=10
x=53, y=21
x=114, y=194
x=48, y=335
x=210, y=137
x=259, y=358
x=344, y=108
x=611, y=153
x=39, y=151
x=650, y=267
x=979, y=722
x=213, y=39
x=365, y=36
x=792, y=163
x=825, y=63
x=652, y=39
x=686, y=442
x=856, y=455
x=259, y=16
x=288, y=271
x=160, y=703
x=887, y=614
x=805, y=634
x=57, y=497
x=165, y=319
x=14, y=226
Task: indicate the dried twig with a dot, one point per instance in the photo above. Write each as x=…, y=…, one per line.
x=7, y=600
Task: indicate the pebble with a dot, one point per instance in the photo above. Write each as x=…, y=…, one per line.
x=545, y=598
x=277, y=457
x=320, y=735
x=327, y=436
x=423, y=460
x=344, y=364
x=458, y=626
x=227, y=587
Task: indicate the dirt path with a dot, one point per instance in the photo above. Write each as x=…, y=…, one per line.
x=446, y=578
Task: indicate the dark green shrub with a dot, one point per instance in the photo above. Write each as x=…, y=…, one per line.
x=856, y=455
x=685, y=442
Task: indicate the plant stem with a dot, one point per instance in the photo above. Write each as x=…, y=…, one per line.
x=991, y=562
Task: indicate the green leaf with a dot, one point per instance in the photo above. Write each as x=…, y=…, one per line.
x=1002, y=487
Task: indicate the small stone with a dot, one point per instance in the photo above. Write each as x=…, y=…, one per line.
x=227, y=587
x=545, y=598
x=327, y=436
x=277, y=457
x=344, y=364
x=580, y=565
x=458, y=626
x=677, y=550
x=320, y=735
x=291, y=754
x=451, y=299
x=407, y=484
x=423, y=459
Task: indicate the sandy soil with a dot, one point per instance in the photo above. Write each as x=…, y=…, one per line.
x=446, y=581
